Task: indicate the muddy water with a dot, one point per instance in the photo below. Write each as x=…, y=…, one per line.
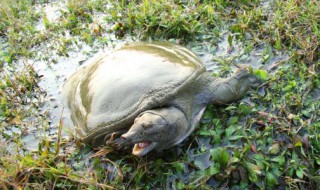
x=212, y=55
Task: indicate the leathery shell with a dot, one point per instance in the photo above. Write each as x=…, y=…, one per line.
x=109, y=93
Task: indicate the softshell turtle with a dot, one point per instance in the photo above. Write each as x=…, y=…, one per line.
x=146, y=96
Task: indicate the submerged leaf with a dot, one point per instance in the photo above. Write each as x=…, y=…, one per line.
x=202, y=161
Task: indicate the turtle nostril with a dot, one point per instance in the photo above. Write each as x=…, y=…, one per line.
x=124, y=137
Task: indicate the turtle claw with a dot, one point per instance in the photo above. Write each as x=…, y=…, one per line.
x=114, y=140
x=120, y=143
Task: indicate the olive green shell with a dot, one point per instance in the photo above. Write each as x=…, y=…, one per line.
x=109, y=93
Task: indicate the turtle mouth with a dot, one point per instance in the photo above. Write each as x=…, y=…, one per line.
x=142, y=148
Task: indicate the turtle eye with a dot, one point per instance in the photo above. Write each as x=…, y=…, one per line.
x=146, y=125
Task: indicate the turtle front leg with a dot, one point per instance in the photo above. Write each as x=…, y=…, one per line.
x=226, y=90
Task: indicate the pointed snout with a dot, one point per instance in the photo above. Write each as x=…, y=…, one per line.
x=127, y=136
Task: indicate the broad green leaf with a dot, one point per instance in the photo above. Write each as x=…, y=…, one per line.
x=280, y=159
x=253, y=176
x=230, y=40
x=220, y=156
x=217, y=122
x=207, y=115
x=210, y=132
x=274, y=149
x=298, y=144
x=318, y=161
x=180, y=185
x=299, y=173
x=259, y=157
x=27, y=160
x=260, y=164
x=245, y=109
x=230, y=131
x=262, y=74
x=230, y=108
x=235, y=137
x=7, y=57
x=306, y=113
x=236, y=28
x=271, y=179
x=233, y=120
x=212, y=171
x=158, y=163
x=178, y=166
x=287, y=88
x=55, y=171
x=234, y=160
x=253, y=171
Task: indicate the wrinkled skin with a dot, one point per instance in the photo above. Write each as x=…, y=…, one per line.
x=153, y=119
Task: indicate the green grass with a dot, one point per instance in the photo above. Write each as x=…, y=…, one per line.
x=270, y=141
x=17, y=25
x=291, y=25
x=163, y=19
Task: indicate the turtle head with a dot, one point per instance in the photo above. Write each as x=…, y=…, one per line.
x=150, y=131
